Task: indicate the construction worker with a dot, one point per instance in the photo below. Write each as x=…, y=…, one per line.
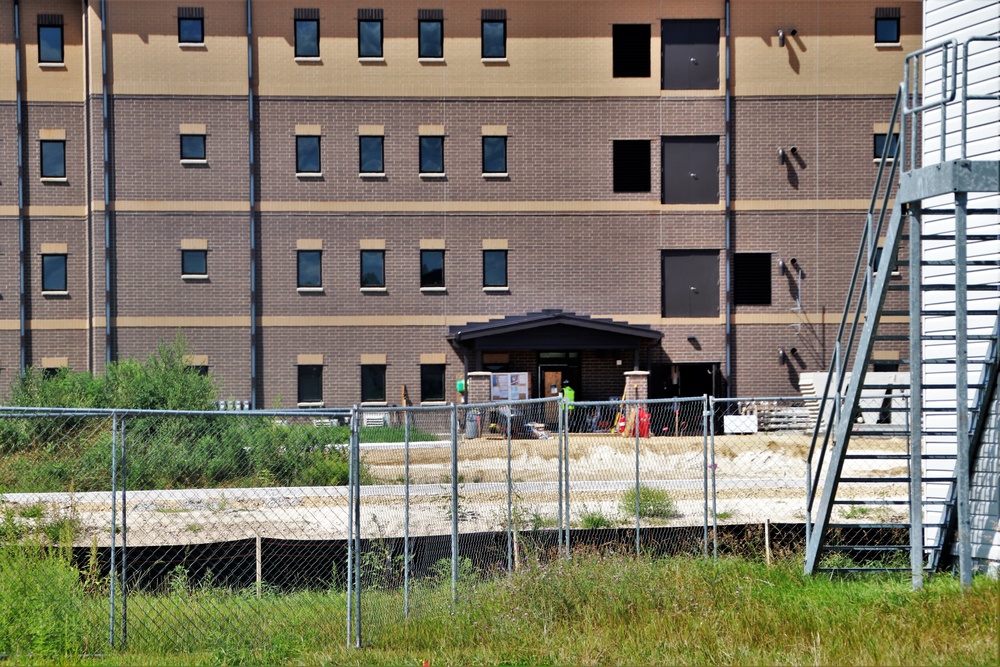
x=569, y=396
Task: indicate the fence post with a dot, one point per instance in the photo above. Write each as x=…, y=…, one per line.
x=635, y=427
x=704, y=446
x=715, y=518
x=566, y=422
x=350, y=523
x=114, y=524
x=124, y=461
x=454, y=502
x=356, y=449
x=406, y=515
x=560, y=425
x=510, y=555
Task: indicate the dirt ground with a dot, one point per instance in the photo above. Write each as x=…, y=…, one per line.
x=756, y=477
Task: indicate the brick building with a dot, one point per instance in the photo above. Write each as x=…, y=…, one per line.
x=336, y=200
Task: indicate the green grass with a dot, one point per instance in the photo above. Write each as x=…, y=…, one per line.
x=594, y=609
x=590, y=519
x=653, y=503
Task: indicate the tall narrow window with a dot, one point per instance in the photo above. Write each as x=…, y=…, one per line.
x=432, y=381
x=432, y=268
x=631, y=166
x=494, y=155
x=307, y=33
x=53, y=160
x=431, y=155
x=494, y=33
x=431, y=33
x=494, y=268
x=307, y=156
x=191, y=25
x=630, y=50
x=369, y=33
x=50, y=38
x=309, y=269
x=373, y=383
x=372, y=268
x=880, y=139
x=371, y=154
x=54, y=273
x=310, y=384
x=887, y=25
x=193, y=147
x=194, y=263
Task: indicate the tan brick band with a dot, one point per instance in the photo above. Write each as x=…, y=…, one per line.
x=494, y=244
x=309, y=244
x=54, y=248
x=432, y=244
x=53, y=135
x=55, y=362
x=371, y=130
x=433, y=358
x=308, y=130
x=309, y=360
x=371, y=244
x=194, y=244
x=373, y=360
x=196, y=359
x=430, y=130
x=193, y=128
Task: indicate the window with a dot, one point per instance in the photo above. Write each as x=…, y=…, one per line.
x=53, y=159
x=432, y=382
x=373, y=383
x=879, y=140
x=431, y=155
x=432, y=268
x=494, y=33
x=307, y=155
x=752, y=279
x=373, y=268
x=194, y=263
x=690, y=170
x=190, y=25
x=369, y=33
x=50, y=38
x=193, y=147
x=310, y=384
x=307, y=33
x=887, y=25
x=494, y=155
x=371, y=153
x=690, y=54
x=494, y=268
x=690, y=283
x=630, y=51
x=54, y=273
x=431, y=33
x=631, y=166
x=310, y=268
x=198, y=370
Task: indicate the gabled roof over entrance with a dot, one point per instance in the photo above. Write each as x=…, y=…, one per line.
x=551, y=330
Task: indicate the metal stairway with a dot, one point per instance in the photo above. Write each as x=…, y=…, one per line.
x=857, y=471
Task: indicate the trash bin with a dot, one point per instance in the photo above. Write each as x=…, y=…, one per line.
x=472, y=424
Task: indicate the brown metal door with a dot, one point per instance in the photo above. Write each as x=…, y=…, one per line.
x=550, y=380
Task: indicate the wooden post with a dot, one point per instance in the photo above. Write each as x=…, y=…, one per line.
x=767, y=540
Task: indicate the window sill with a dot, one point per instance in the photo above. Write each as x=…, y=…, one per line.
x=193, y=161
x=371, y=174
x=493, y=61
x=54, y=179
x=888, y=45
x=888, y=159
x=433, y=174
x=433, y=403
x=55, y=293
x=192, y=45
x=310, y=290
x=431, y=61
x=307, y=175
x=371, y=59
x=311, y=404
x=195, y=277
x=374, y=289
x=495, y=174
x=374, y=404
x=308, y=59
x=434, y=289
x=497, y=290
x=59, y=65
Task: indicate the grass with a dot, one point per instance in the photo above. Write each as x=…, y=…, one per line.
x=653, y=503
x=593, y=609
x=590, y=519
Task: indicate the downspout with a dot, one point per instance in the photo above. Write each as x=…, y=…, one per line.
x=108, y=216
x=88, y=147
x=728, y=224
x=21, y=221
x=253, y=215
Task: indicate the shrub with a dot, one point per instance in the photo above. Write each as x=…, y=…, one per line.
x=653, y=503
x=590, y=520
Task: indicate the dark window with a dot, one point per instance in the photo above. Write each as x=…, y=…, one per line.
x=690, y=54
x=310, y=268
x=631, y=166
x=191, y=30
x=53, y=273
x=494, y=155
x=50, y=43
x=752, y=279
x=432, y=268
x=630, y=50
x=194, y=262
x=431, y=155
x=193, y=147
x=373, y=268
x=880, y=145
x=690, y=170
x=310, y=384
x=307, y=155
x=494, y=33
x=53, y=159
x=690, y=283
x=887, y=25
x=432, y=382
x=373, y=383
x=494, y=268
x=307, y=38
x=369, y=33
x=431, y=33
x=198, y=370
x=371, y=153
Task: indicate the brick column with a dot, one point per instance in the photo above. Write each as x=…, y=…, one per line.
x=477, y=387
x=636, y=385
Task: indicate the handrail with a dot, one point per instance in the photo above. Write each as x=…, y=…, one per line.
x=911, y=97
x=965, y=87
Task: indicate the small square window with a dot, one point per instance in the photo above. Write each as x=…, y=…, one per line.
x=494, y=268
x=50, y=44
x=53, y=159
x=373, y=268
x=887, y=30
x=631, y=166
x=194, y=262
x=431, y=155
x=494, y=155
x=432, y=382
x=198, y=370
x=630, y=51
x=307, y=38
x=752, y=279
x=191, y=30
x=431, y=39
x=53, y=273
x=371, y=154
x=307, y=155
x=370, y=38
x=494, y=39
x=432, y=268
x=373, y=383
x=310, y=384
x=193, y=147
x=310, y=268
x=879, y=141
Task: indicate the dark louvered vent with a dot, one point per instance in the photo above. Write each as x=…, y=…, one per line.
x=494, y=14
x=430, y=14
x=307, y=13
x=191, y=12
x=369, y=14
x=50, y=19
x=631, y=166
x=752, y=279
x=887, y=12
